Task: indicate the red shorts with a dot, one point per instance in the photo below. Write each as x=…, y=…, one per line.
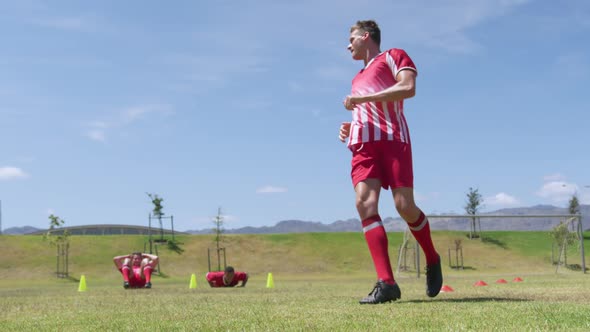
x=388, y=161
x=135, y=279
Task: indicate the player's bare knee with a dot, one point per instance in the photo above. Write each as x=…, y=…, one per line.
x=408, y=211
x=366, y=205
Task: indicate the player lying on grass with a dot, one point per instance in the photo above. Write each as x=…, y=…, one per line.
x=136, y=269
x=227, y=278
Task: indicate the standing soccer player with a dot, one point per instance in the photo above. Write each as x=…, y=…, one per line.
x=379, y=139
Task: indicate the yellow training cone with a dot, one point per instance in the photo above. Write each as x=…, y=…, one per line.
x=82, y=287
x=193, y=283
x=269, y=282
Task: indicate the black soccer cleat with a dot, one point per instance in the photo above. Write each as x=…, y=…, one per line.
x=148, y=285
x=382, y=293
x=434, y=279
x=125, y=284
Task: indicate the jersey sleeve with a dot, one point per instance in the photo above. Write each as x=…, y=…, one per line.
x=212, y=279
x=399, y=60
x=241, y=276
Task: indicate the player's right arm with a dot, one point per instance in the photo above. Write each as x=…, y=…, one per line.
x=344, y=131
x=118, y=260
x=210, y=279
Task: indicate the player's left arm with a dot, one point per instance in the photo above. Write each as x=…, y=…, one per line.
x=404, y=88
x=152, y=259
x=245, y=280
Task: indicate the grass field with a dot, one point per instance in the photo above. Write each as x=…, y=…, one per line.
x=318, y=279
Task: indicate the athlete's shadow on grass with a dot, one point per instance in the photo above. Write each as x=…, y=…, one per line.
x=472, y=300
x=74, y=279
x=490, y=240
x=68, y=277
x=458, y=268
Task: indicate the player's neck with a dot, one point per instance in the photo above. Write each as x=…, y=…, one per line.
x=371, y=53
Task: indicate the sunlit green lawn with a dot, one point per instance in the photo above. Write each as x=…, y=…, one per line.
x=298, y=303
x=319, y=278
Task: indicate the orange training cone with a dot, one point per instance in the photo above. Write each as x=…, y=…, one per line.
x=517, y=279
x=501, y=281
x=480, y=283
x=446, y=289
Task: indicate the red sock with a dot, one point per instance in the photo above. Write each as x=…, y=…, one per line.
x=125, y=271
x=421, y=231
x=147, y=272
x=377, y=241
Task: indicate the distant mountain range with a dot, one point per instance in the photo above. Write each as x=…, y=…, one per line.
x=20, y=230
x=437, y=222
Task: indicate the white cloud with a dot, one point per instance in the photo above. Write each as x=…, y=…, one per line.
x=557, y=191
x=99, y=124
x=270, y=190
x=554, y=177
x=96, y=135
x=12, y=173
x=25, y=159
x=573, y=64
x=419, y=197
x=502, y=199
x=124, y=117
x=251, y=104
x=136, y=113
x=335, y=73
x=295, y=87
x=214, y=68
x=444, y=25
x=427, y=197
x=230, y=218
x=63, y=23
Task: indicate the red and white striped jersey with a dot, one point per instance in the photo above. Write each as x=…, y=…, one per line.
x=380, y=121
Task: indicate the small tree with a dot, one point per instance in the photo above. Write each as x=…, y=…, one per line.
x=62, y=242
x=159, y=214
x=458, y=250
x=157, y=211
x=218, y=230
x=563, y=238
x=218, y=222
x=472, y=206
x=574, y=206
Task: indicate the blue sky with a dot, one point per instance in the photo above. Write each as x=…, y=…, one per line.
x=237, y=104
